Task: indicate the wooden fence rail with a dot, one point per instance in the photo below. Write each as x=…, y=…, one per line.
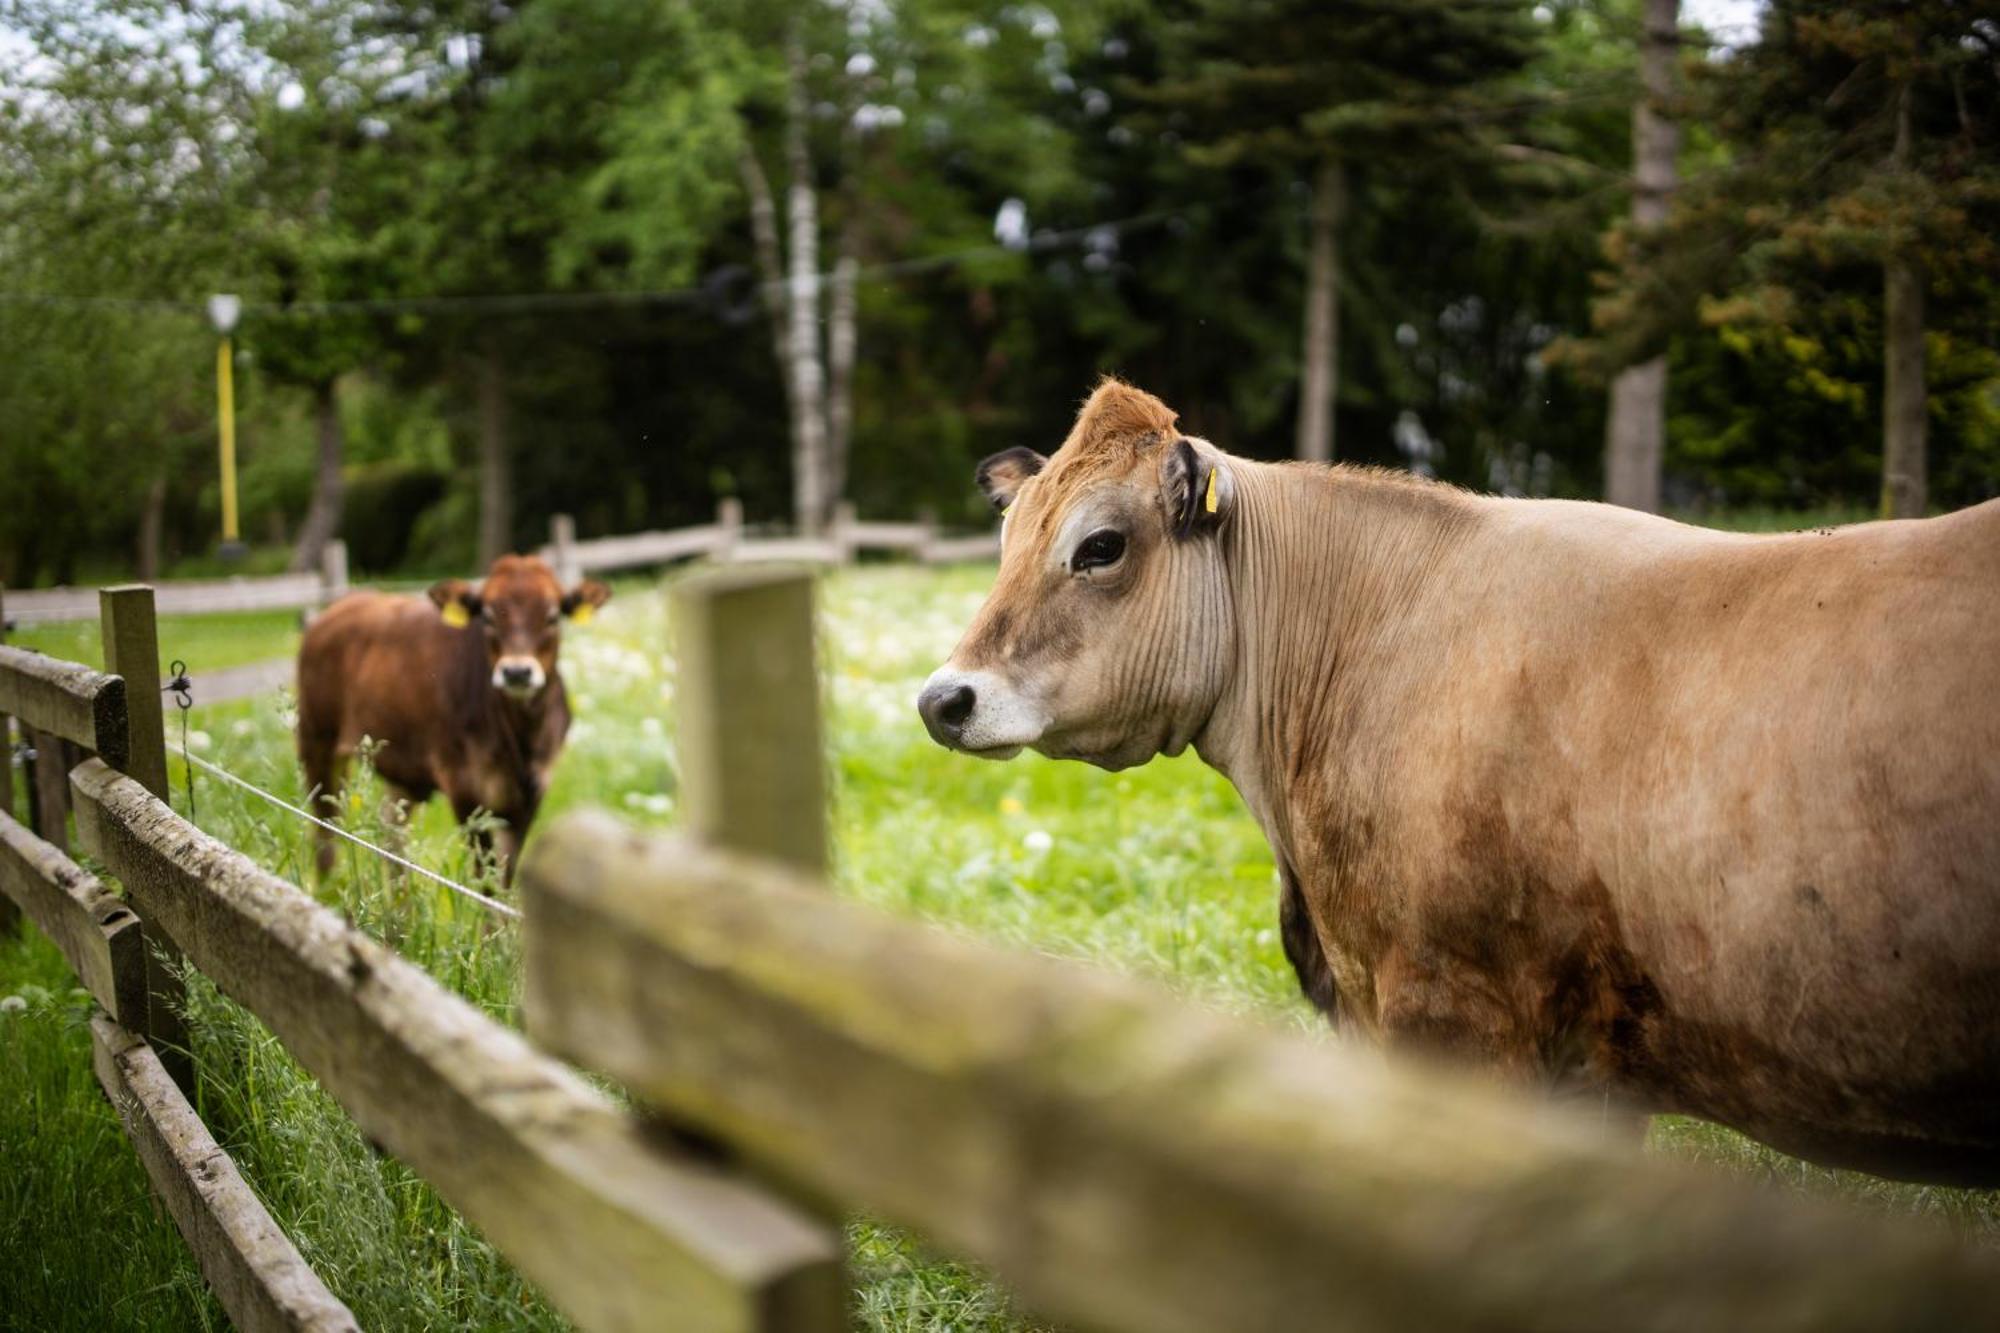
x=1121, y=1159
x=1128, y=1162
x=252, y=1265
x=62, y=699
x=97, y=934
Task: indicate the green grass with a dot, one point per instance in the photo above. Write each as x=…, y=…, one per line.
x=1157, y=870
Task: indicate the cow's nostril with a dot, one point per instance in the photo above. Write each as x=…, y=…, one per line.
x=945, y=707
x=516, y=675
x=957, y=706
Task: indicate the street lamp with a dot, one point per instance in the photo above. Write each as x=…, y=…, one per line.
x=223, y=312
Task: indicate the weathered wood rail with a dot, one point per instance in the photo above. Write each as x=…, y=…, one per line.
x=725, y=540
x=252, y=1265
x=276, y=592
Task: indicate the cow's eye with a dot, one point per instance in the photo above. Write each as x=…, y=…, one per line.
x=1099, y=549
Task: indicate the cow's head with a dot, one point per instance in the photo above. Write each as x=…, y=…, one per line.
x=1109, y=632
x=519, y=608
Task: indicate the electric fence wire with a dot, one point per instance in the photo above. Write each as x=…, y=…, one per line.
x=493, y=905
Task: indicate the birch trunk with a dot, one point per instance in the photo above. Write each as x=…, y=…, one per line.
x=770, y=264
x=1636, y=431
x=1904, y=399
x=496, y=472
x=329, y=494
x=807, y=372
x=1319, y=378
x=841, y=342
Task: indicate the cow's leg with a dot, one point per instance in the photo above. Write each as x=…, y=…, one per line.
x=325, y=774
x=481, y=829
x=1302, y=947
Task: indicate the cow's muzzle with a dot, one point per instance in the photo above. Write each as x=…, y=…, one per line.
x=946, y=706
x=979, y=712
x=519, y=677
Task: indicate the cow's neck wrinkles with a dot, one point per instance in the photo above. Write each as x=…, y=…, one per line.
x=1325, y=568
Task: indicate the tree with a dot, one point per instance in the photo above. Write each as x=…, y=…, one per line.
x=1635, y=433
x=1856, y=139
x=1335, y=95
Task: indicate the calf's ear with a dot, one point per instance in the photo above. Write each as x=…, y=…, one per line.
x=1001, y=475
x=584, y=598
x=457, y=601
x=1196, y=488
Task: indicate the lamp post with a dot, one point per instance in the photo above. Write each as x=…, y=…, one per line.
x=223, y=311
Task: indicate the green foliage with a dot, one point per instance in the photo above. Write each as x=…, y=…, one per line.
x=1768, y=279
x=405, y=193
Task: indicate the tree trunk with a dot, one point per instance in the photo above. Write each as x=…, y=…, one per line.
x=496, y=470
x=809, y=501
x=770, y=264
x=1904, y=399
x=322, y=523
x=841, y=319
x=152, y=524
x=1635, y=434
x=1319, y=374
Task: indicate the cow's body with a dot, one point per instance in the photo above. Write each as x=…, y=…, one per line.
x=1708, y=821
x=1711, y=820
x=394, y=671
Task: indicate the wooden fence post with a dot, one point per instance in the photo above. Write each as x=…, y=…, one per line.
x=48, y=778
x=10, y=915
x=132, y=650
x=752, y=768
x=729, y=518
x=333, y=571
x=562, y=541
x=927, y=517
x=842, y=532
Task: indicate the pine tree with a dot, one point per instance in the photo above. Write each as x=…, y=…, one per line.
x=1857, y=137
x=1335, y=94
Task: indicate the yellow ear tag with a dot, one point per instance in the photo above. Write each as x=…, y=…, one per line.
x=455, y=614
x=1209, y=503
x=582, y=614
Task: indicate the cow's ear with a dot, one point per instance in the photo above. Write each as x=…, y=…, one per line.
x=457, y=601
x=1196, y=487
x=1001, y=475
x=579, y=602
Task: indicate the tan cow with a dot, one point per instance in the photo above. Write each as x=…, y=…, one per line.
x=1707, y=821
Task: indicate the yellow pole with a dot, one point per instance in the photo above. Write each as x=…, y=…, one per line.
x=225, y=389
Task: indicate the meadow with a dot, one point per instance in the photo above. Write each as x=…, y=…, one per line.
x=1156, y=870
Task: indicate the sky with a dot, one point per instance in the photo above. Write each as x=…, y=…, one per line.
x=1733, y=22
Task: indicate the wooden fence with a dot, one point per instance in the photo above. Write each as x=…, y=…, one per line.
x=1119, y=1158
x=725, y=540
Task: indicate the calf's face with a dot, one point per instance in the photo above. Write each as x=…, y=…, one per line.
x=1109, y=632
x=518, y=609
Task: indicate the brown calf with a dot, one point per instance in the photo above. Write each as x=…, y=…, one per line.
x=461, y=692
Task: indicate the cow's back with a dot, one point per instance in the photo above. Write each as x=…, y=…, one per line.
x=377, y=666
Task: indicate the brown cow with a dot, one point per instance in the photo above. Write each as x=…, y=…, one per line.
x=461, y=691
x=1709, y=822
